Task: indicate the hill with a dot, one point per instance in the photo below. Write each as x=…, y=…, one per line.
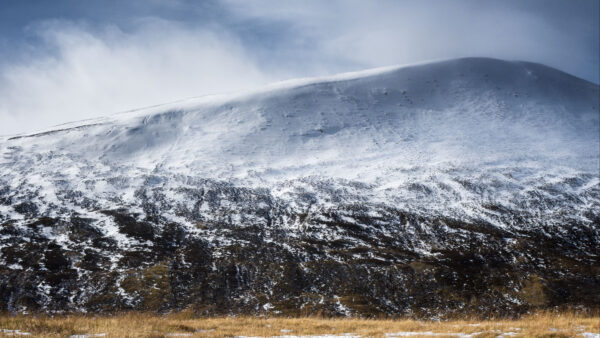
x=459, y=186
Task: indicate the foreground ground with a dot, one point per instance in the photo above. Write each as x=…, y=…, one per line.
x=146, y=325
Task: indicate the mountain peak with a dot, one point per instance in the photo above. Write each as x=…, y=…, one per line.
x=470, y=109
x=394, y=183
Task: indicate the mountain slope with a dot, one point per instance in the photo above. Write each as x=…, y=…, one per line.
x=472, y=107
x=454, y=186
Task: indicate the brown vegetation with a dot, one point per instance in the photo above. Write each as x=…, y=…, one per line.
x=544, y=324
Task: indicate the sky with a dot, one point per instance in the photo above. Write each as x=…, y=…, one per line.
x=68, y=60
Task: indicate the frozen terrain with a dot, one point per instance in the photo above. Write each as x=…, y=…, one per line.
x=401, y=158
x=508, y=126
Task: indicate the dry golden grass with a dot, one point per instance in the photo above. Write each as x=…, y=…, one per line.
x=149, y=325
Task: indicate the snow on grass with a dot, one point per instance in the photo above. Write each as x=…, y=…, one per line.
x=344, y=335
x=429, y=333
x=7, y=332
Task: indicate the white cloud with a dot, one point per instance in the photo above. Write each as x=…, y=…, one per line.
x=96, y=74
x=376, y=33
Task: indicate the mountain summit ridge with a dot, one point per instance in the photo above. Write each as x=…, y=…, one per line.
x=409, y=100
x=201, y=101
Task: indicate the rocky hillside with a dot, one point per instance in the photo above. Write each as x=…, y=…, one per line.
x=461, y=186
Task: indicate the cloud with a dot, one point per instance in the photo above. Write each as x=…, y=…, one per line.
x=376, y=33
x=114, y=56
x=92, y=74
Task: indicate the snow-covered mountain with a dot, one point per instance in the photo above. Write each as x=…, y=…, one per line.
x=454, y=186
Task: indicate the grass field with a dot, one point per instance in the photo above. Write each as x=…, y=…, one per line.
x=181, y=324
